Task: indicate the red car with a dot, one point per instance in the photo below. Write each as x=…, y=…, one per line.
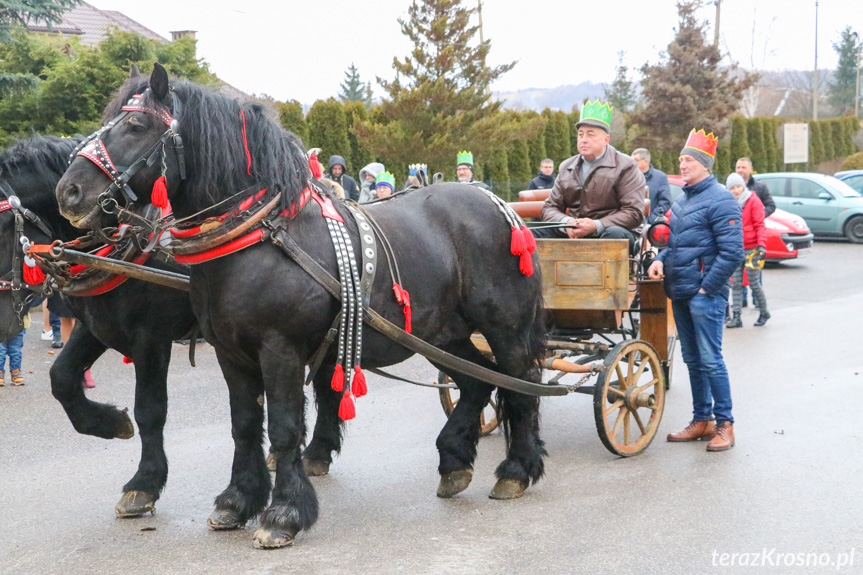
x=787, y=233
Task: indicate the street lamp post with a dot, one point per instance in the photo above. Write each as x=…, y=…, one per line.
x=815, y=76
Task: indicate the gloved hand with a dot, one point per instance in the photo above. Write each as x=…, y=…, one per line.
x=755, y=259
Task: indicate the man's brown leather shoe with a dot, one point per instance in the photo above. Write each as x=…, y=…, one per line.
x=724, y=438
x=694, y=431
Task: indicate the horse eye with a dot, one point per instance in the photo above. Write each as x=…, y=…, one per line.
x=136, y=124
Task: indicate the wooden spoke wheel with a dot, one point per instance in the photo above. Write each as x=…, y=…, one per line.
x=449, y=399
x=629, y=398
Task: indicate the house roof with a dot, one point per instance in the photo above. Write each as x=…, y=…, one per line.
x=92, y=25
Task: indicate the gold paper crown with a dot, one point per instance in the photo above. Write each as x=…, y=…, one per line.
x=703, y=142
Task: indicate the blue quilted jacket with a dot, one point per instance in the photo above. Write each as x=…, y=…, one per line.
x=706, y=243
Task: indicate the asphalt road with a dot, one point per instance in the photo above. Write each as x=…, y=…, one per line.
x=790, y=486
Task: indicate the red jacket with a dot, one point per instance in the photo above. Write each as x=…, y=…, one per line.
x=754, y=232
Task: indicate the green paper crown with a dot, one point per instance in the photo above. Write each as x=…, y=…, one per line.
x=386, y=179
x=464, y=158
x=600, y=112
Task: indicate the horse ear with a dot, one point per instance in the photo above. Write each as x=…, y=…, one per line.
x=159, y=82
x=134, y=72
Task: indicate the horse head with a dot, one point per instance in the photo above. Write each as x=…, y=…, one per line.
x=181, y=141
x=29, y=171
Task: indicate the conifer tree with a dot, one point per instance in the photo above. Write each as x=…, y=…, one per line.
x=440, y=100
x=688, y=85
x=621, y=93
x=353, y=89
x=841, y=92
x=292, y=118
x=328, y=130
x=557, y=145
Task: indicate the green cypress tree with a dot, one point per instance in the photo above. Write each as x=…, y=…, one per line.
x=574, y=117
x=771, y=153
x=536, y=145
x=722, y=166
x=827, y=136
x=671, y=161
x=292, y=118
x=360, y=156
x=328, y=130
x=816, y=147
x=757, y=146
x=518, y=159
x=557, y=145
x=739, y=139
x=496, y=174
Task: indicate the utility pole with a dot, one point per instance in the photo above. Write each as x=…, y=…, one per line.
x=716, y=27
x=479, y=13
x=815, y=76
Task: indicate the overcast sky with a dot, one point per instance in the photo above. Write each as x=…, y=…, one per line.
x=301, y=49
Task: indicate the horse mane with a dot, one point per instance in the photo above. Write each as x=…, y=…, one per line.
x=212, y=130
x=38, y=152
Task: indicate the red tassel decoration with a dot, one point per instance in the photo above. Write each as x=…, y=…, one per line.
x=127, y=360
x=338, y=383
x=406, y=301
x=33, y=275
x=159, y=197
x=526, y=264
x=359, y=384
x=517, y=245
x=347, y=410
x=315, y=167
x=529, y=240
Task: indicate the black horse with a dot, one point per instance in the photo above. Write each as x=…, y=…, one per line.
x=266, y=316
x=140, y=320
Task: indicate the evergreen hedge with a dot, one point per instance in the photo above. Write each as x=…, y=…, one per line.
x=328, y=130
x=557, y=135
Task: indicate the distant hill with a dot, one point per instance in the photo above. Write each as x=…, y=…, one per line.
x=560, y=98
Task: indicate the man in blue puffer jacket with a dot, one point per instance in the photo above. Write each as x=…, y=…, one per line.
x=704, y=249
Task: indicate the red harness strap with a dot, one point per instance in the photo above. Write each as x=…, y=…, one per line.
x=328, y=210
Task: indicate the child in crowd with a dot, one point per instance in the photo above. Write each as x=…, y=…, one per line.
x=12, y=349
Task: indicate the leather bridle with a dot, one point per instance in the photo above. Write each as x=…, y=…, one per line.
x=93, y=148
x=13, y=279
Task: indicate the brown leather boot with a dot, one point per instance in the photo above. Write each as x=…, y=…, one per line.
x=724, y=438
x=694, y=431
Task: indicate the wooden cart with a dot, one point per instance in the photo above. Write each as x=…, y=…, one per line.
x=611, y=329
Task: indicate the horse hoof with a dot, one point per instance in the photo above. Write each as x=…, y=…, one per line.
x=508, y=489
x=135, y=504
x=315, y=467
x=225, y=519
x=125, y=429
x=267, y=539
x=271, y=463
x=454, y=482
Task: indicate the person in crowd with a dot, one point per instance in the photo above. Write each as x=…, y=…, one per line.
x=368, y=177
x=464, y=171
x=385, y=185
x=417, y=173
x=12, y=349
x=704, y=249
x=744, y=168
x=598, y=193
x=657, y=184
x=544, y=179
x=337, y=174
x=755, y=247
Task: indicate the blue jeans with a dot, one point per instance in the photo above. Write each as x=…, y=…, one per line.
x=700, y=322
x=12, y=348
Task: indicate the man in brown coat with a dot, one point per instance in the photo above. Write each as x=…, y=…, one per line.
x=600, y=192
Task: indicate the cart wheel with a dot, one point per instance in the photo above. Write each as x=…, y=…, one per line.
x=449, y=398
x=629, y=398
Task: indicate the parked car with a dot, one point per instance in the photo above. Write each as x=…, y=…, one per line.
x=787, y=234
x=853, y=178
x=830, y=206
